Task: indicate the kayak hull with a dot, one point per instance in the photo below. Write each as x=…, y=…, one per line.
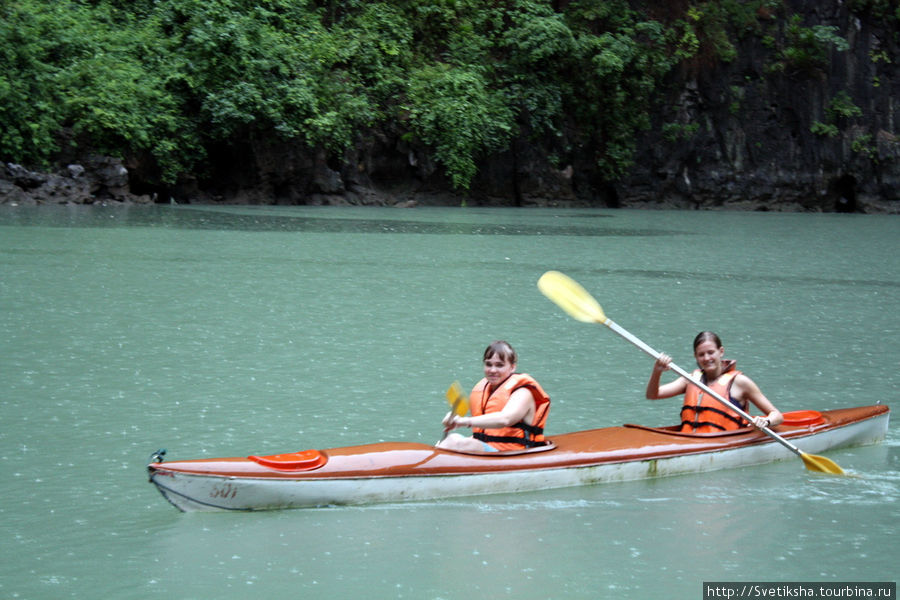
x=404, y=471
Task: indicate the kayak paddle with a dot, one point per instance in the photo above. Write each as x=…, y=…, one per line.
x=580, y=305
x=459, y=403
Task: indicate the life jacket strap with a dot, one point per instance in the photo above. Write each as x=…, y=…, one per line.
x=532, y=429
x=739, y=421
x=503, y=439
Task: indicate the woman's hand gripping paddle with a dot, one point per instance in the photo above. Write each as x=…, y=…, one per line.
x=458, y=401
x=580, y=305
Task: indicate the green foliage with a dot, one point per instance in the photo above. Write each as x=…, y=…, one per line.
x=749, y=17
x=256, y=69
x=824, y=129
x=877, y=56
x=168, y=79
x=28, y=104
x=840, y=107
x=806, y=49
x=704, y=32
x=611, y=95
x=453, y=110
x=171, y=80
x=885, y=10
x=90, y=73
x=536, y=41
x=862, y=144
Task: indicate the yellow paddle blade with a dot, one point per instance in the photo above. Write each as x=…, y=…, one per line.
x=571, y=297
x=458, y=401
x=820, y=464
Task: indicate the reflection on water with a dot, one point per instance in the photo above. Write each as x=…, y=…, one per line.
x=225, y=331
x=679, y=276
x=474, y=222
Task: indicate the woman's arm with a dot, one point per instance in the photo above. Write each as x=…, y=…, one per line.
x=748, y=390
x=519, y=408
x=656, y=391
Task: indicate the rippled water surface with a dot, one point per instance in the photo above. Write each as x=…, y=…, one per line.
x=239, y=330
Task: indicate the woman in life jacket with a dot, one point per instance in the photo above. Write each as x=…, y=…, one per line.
x=509, y=409
x=701, y=413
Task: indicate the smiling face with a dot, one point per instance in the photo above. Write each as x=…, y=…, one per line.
x=709, y=357
x=497, y=369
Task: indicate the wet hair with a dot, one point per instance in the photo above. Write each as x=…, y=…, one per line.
x=707, y=336
x=503, y=350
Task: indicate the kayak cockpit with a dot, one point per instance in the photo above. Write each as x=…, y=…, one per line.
x=797, y=418
x=543, y=448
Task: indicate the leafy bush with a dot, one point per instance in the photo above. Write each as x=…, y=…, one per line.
x=453, y=110
x=37, y=43
x=806, y=48
x=840, y=107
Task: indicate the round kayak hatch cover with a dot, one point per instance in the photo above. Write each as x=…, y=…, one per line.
x=799, y=418
x=305, y=460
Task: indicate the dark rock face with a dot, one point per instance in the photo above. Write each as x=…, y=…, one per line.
x=756, y=144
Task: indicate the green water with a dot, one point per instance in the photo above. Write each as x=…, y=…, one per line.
x=239, y=330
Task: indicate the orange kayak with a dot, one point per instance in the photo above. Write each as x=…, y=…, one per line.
x=405, y=471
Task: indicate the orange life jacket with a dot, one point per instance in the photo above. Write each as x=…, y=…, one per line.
x=702, y=413
x=518, y=436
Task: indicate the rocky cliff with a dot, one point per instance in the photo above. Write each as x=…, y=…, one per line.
x=800, y=114
x=782, y=131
